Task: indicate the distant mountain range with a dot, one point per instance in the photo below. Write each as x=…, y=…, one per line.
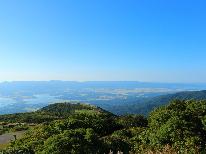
x=120, y=97
x=40, y=85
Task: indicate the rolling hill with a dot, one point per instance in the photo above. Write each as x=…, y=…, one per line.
x=147, y=105
x=52, y=112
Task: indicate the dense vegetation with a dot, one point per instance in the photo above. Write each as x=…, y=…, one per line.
x=145, y=106
x=179, y=127
x=49, y=113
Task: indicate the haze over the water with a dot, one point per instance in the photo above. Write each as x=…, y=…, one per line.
x=157, y=41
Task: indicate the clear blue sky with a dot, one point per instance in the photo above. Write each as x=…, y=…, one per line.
x=142, y=40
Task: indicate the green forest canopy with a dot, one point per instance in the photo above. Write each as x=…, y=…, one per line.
x=181, y=126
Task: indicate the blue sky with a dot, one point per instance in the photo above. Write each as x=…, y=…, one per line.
x=155, y=40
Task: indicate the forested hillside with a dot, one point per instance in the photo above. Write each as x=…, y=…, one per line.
x=179, y=127
x=145, y=106
x=51, y=112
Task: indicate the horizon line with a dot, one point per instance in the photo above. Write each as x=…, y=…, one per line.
x=83, y=81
